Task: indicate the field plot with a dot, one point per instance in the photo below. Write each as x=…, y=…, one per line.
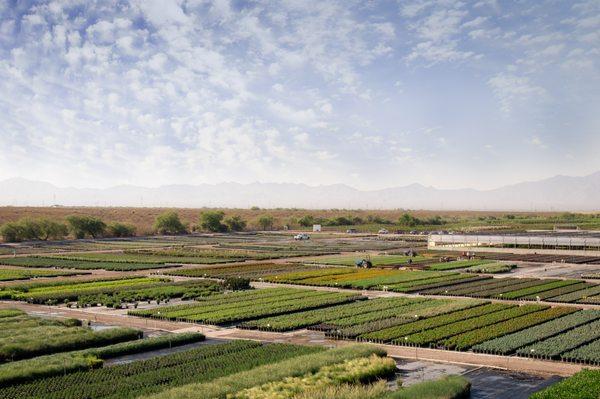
x=23, y=371
x=357, y=278
x=23, y=336
x=108, y=291
x=508, y=344
x=445, y=283
x=149, y=376
x=25, y=274
x=459, y=264
x=252, y=271
x=293, y=321
x=247, y=305
x=520, y=288
x=583, y=385
x=552, y=348
x=315, y=246
x=377, y=260
x=491, y=268
x=81, y=264
x=293, y=376
x=139, y=259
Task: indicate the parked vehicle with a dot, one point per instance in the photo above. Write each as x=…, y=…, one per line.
x=302, y=236
x=383, y=231
x=351, y=231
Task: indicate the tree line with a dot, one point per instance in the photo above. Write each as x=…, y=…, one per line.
x=405, y=220
x=43, y=229
x=79, y=227
x=169, y=223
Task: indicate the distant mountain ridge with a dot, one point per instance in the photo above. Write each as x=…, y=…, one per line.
x=559, y=193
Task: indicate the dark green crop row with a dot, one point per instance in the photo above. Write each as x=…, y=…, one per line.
x=313, y=317
x=510, y=343
x=403, y=330
x=272, y=302
x=138, y=379
x=467, y=339
x=28, y=370
x=343, y=329
x=433, y=335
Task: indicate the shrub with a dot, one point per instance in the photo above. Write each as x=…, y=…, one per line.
x=448, y=387
x=211, y=221
x=306, y=221
x=169, y=223
x=117, y=229
x=236, y=283
x=33, y=229
x=82, y=226
x=266, y=222
x=11, y=232
x=235, y=223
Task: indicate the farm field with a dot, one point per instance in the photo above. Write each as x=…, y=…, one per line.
x=111, y=292
x=431, y=316
x=239, y=369
x=24, y=274
x=252, y=271
x=23, y=336
x=23, y=371
x=376, y=260
x=447, y=283
x=79, y=264
x=460, y=264
x=246, y=305
x=491, y=268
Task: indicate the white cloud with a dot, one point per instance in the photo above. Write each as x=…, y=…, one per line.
x=156, y=91
x=512, y=90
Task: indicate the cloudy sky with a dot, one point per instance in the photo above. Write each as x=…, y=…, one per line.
x=368, y=93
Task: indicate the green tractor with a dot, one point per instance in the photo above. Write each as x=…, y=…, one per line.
x=365, y=262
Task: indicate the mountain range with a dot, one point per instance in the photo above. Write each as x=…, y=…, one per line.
x=559, y=193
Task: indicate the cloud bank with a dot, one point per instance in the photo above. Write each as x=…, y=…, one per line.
x=371, y=94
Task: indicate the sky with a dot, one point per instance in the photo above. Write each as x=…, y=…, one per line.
x=372, y=94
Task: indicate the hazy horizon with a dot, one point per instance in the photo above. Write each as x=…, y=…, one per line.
x=579, y=193
x=443, y=93
x=83, y=187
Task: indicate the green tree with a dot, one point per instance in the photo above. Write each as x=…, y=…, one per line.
x=82, y=226
x=408, y=220
x=169, y=223
x=11, y=232
x=235, y=223
x=306, y=220
x=52, y=230
x=117, y=229
x=33, y=229
x=211, y=221
x=266, y=222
